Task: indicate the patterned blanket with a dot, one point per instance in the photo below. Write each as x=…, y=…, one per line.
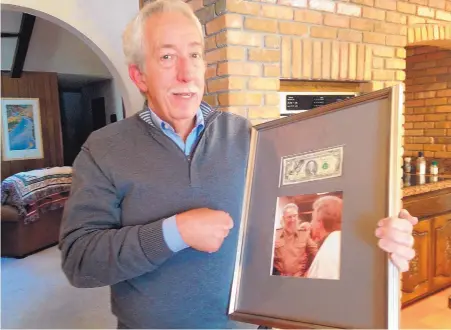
x=37, y=191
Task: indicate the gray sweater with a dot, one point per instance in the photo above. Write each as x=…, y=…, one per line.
x=127, y=178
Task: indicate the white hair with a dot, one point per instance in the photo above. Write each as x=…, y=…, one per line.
x=290, y=206
x=330, y=209
x=133, y=36
x=324, y=200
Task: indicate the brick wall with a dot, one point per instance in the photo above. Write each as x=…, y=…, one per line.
x=227, y=69
x=252, y=44
x=210, y=14
x=361, y=40
x=428, y=103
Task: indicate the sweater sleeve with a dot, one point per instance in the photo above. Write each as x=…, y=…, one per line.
x=96, y=250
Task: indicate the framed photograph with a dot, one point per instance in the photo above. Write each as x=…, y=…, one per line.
x=317, y=184
x=21, y=129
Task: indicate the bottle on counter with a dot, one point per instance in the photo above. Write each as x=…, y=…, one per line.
x=407, y=178
x=433, y=169
x=407, y=165
x=421, y=179
x=421, y=164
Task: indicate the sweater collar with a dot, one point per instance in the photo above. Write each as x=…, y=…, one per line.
x=146, y=115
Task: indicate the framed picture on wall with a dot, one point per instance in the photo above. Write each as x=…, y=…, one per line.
x=317, y=184
x=21, y=129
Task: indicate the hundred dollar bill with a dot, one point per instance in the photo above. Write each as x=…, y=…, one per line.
x=317, y=165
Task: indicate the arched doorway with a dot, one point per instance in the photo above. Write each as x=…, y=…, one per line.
x=436, y=35
x=61, y=133
x=106, y=46
x=428, y=93
x=427, y=130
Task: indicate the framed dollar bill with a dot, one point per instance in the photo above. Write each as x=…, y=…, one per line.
x=317, y=184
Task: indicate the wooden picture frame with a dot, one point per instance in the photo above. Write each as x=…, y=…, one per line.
x=366, y=132
x=21, y=129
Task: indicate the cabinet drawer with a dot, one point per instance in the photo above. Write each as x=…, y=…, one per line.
x=429, y=204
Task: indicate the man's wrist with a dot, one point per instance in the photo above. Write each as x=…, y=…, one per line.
x=172, y=235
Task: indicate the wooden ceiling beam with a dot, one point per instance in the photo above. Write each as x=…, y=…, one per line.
x=9, y=35
x=26, y=30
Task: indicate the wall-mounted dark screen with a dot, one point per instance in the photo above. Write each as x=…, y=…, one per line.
x=307, y=102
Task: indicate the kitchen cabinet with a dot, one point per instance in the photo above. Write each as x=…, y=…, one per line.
x=430, y=270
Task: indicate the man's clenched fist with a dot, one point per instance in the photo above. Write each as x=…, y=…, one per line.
x=204, y=229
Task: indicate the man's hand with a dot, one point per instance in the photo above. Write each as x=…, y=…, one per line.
x=395, y=237
x=305, y=226
x=204, y=229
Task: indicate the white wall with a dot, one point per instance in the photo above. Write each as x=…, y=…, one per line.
x=99, y=24
x=54, y=49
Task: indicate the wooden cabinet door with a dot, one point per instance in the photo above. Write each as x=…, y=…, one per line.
x=441, y=252
x=416, y=281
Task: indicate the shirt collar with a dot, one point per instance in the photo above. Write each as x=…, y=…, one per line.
x=157, y=121
x=146, y=114
x=296, y=233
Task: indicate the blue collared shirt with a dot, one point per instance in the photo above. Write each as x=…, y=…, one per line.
x=171, y=234
x=170, y=132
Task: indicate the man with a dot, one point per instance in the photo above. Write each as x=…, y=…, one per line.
x=156, y=198
x=326, y=230
x=311, y=168
x=294, y=250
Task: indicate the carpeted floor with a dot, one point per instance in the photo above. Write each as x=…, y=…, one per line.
x=36, y=294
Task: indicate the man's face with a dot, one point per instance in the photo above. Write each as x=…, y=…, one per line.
x=290, y=220
x=173, y=77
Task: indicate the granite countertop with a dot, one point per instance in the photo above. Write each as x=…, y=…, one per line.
x=414, y=184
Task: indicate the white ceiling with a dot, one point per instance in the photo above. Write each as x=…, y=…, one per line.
x=8, y=49
x=11, y=21
x=52, y=49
